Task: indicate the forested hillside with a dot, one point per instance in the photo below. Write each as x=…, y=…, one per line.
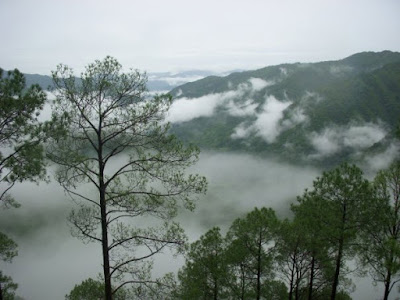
x=318, y=113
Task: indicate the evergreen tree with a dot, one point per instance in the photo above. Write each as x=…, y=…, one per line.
x=309, y=251
x=294, y=257
x=335, y=207
x=380, y=243
x=8, y=250
x=205, y=273
x=119, y=163
x=252, y=253
x=91, y=289
x=21, y=134
x=21, y=151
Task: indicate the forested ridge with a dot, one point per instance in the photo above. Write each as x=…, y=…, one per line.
x=319, y=98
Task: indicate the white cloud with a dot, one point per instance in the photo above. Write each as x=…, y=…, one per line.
x=326, y=143
x=267, y=125
x=242, y=131
x=360, y=137
x=241, y=109
x=334, y=139
x=253, y=85
x=185, y=109
x=382, y=160
x=271, y=121
x=296, y=116
x=258, y=83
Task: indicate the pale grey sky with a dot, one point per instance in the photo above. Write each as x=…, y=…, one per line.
x=158, y=35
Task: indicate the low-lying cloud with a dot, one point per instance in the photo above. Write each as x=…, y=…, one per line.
x=295, y=116
x=382, y=160
x=357, y=137
x=276, y=116
x=185, y=109
x=267, y=123
x=241, y=109
x=257, y=84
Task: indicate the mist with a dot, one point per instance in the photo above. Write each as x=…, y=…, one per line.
x=51, y=261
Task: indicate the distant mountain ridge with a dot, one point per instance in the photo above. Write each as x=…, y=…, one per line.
x=45, y=82
x=318, y=113
x=354, y=64
x=159, y=81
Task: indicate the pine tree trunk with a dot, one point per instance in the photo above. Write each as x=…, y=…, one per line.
x=104, y=239
x=293, y=267
x=243, y=283
x=1, y=293
x=104, y=225
x=337, y=270
x=340, y=253
x=291, y=285
x=258, y=296
x=215, y=289
x=387, y=285
x=310, y=286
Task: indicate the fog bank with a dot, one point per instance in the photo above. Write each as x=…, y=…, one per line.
x=51, y=262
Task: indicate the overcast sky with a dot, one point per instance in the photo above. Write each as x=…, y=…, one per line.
x=173, y=35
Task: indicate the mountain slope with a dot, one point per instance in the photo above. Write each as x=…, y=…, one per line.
x=319, y=113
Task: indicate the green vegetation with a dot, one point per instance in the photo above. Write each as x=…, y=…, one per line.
x=21, y=155
x=380, y=250
x=8, y=250
x=334, y=207
x=360, y=89
x=91, y=289
x=114, y=140
x=7, y=287
x=20, y=133
x=343, y=217
x=205, y=274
